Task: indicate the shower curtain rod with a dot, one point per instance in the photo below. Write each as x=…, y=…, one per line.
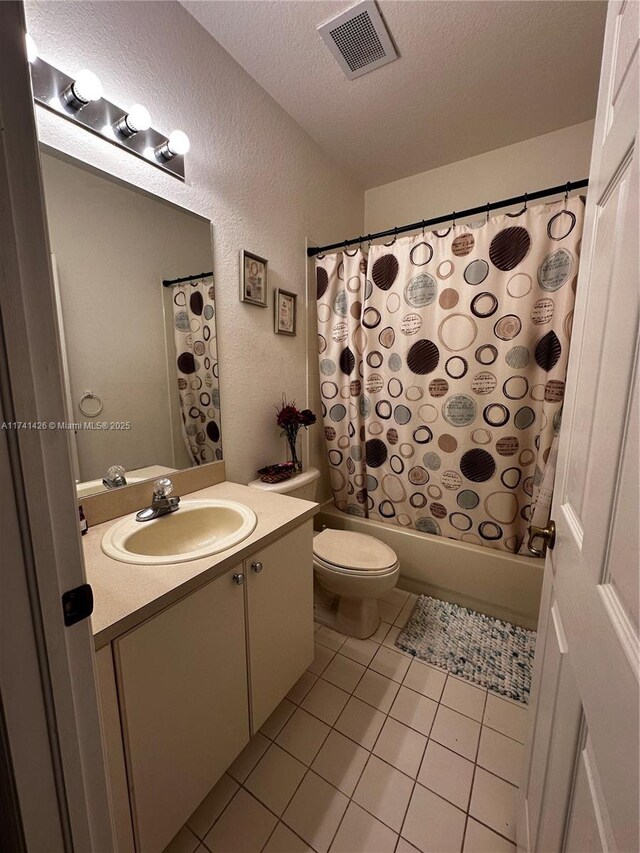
x=167, y=282
x=459, y=214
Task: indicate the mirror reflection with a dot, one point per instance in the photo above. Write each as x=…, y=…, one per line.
x=136, y=310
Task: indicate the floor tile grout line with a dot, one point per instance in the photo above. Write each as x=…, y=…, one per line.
x=387, y=715
x=280, y=821
x=415, y=782
x=351, y=800
x=384, y=761
x=491, y=829
x=240, y=788
x=289, y=801
x=515, y=740
x=309, y=770
x=473, y=775
x=270, y=810
x=495, y=775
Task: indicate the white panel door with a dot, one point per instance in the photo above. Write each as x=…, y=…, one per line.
x=581, y=783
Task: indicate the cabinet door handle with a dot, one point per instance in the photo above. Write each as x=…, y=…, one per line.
x=257, y=567
x=238, y=578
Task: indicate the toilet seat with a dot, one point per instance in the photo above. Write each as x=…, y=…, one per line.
x=351, y=572
x=355, y=554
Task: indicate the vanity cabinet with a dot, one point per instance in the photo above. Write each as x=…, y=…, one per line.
x=280, y=619
x=182, y=684
x=192, y=683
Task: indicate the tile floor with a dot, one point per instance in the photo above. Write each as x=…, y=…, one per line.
x=371, y=752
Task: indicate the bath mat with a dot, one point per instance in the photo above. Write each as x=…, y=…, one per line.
x=487, y=651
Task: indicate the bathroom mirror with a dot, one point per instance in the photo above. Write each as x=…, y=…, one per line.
x=139, y=357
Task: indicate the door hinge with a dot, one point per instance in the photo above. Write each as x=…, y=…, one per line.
x=77, y=604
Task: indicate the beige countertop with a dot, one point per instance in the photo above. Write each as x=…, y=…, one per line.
x=126, y=594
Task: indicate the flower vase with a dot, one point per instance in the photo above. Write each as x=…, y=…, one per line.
x=292, y=439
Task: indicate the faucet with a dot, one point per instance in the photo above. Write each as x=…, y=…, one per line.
x=161, y=503
x=114, y=478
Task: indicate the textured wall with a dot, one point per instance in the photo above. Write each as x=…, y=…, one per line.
x=534, y=164
x=251, y=170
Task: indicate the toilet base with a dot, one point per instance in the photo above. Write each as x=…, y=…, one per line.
x=358, y=617
x=355, y=617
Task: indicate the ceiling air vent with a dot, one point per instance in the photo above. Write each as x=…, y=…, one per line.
x=359, y=39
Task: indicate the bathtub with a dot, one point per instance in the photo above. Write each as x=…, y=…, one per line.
x=493, y=582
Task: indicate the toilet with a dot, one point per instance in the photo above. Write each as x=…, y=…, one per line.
x=351, y=570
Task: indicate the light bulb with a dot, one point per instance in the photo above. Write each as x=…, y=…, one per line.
x=138, y=118
x=84, y=89
x=178, y=143
x=134, y=121
x=32, y=49
x=87, y=86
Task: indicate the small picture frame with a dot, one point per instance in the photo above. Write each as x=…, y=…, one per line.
x=253, y=279
x=285, y=312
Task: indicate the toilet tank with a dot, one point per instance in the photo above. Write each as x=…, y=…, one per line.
x=303, y=485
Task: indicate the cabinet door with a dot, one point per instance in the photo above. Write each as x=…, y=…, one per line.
x=183, y=693
x=114, y=752
x=280, y=601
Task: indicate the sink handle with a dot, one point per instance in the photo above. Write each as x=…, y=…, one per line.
x=162, y=488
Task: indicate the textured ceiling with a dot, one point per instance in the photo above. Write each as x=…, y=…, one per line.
x=473, y=75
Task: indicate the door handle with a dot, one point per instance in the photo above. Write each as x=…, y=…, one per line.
x=257, y=567
x=238, y=578
x=548, y=536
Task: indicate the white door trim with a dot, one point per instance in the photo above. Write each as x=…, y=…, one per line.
x=47, y=677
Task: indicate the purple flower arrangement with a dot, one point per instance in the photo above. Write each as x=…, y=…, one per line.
x=290, y=419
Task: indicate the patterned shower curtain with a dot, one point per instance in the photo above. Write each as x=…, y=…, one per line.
x=453, y=364
x=341, y=282
x=194, y=323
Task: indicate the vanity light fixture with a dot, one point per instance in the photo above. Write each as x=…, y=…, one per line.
x=136, y=120
x=177, y=144
x=79, y=99
x=85, y=88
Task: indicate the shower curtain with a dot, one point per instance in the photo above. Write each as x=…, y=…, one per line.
x=443, y=369
x=194, y=323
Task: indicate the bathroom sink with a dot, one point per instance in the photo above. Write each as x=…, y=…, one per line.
x=198, y=528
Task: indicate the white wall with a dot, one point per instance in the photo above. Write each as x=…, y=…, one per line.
x=534, y=164
x=252, y=171
x=113, y=246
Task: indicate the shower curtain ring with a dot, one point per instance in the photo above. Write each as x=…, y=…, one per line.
x=395, y=235
x=453, y=219
x=526, y=200
x=566, y=192
x=423, y=224
x=488, y=209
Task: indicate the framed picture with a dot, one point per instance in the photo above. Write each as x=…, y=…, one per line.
x=253, y=279
x=285, y=312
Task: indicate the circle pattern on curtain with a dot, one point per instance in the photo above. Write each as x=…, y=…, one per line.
x=448, y=353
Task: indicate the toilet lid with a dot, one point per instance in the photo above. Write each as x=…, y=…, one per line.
x=353, y=550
